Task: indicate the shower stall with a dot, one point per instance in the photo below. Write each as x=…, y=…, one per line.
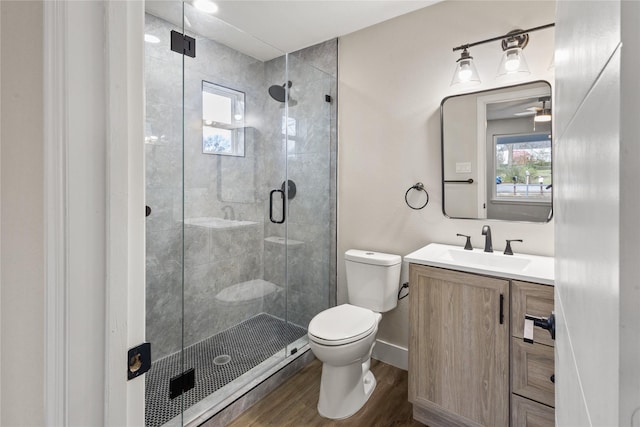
x=240, y=155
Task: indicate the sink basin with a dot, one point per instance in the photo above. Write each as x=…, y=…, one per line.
x=511, y=262
x=531, y=268
x=215, y=222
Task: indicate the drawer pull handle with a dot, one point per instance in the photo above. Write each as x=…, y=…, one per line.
x=501, y=309
x=553, y=378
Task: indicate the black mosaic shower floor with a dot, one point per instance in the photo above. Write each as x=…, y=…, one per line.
x=248, y=344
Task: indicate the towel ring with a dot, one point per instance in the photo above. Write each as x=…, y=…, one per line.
x=420, y=187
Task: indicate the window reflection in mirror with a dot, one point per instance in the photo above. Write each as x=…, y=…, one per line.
x=222, y=120
x=496, y=154
x=522, y=167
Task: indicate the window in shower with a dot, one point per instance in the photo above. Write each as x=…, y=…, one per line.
x=289, y=126
x=222, y=120
x=289, y=132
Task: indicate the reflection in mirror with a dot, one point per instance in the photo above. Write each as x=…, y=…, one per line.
x=496, y=154
x=222, y=120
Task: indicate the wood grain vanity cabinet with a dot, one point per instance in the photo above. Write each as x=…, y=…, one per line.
x=458, y=348
x=468, y=363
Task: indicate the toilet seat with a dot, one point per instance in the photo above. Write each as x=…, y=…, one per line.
x=342, y=324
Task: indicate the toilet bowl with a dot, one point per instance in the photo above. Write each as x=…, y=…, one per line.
x=343, y=337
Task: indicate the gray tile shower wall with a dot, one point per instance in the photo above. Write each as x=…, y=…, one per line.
x=238, y=188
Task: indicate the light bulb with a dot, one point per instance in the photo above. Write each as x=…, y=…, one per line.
x=513, y=62
x=465, y=72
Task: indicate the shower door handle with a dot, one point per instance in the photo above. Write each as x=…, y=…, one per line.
x=284, y=201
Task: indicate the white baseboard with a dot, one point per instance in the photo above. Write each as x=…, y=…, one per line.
x=391, y=354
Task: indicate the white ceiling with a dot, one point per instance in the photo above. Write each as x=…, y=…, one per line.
x=266, y=29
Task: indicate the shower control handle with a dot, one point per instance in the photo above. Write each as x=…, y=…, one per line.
x=284, y=202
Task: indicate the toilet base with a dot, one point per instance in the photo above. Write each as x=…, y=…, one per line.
x=345, y=389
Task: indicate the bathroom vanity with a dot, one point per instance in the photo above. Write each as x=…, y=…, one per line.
x=468, y=361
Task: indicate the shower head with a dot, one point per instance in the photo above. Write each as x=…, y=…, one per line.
x=279, y=93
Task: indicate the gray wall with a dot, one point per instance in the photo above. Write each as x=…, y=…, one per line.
x=216, y=259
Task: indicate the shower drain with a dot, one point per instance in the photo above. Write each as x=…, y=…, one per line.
x=222, y=360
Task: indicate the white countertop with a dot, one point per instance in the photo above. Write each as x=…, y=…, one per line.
x=529, y=268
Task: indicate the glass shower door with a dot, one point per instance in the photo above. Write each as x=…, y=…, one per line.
x=310, y=166
x=164, y=196
x=241, y=181
x=235, y=287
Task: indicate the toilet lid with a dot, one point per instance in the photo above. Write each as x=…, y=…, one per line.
x=342, y=324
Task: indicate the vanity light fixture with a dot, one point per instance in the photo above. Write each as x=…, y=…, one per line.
x=465, y=72
x=513, y=61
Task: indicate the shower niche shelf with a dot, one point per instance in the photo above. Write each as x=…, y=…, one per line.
x=217, y=223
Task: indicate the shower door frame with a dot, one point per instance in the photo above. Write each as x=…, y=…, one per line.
x=125, y=305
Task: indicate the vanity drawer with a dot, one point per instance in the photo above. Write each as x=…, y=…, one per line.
x=532, y=366
x=535, y=300
x=527, y=413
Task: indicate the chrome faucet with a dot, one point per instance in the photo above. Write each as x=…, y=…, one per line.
x=228, y=212
x=488, y=245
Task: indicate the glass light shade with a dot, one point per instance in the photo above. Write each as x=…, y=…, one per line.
x=513, y=62
x=543, y=115
x=465, y=71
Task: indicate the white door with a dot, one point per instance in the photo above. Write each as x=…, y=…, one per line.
x=596, y=214
x=93, y=114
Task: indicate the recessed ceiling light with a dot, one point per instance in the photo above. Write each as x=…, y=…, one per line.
x=206, y=6
x=151, y=39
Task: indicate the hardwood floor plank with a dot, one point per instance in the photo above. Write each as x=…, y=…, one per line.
x=294, y=403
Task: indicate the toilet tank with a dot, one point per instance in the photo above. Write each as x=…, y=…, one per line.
x=373, y=279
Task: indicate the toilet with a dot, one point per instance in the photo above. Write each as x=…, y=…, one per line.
x=343, y=337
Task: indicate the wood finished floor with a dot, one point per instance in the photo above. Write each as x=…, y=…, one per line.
x=294, y=402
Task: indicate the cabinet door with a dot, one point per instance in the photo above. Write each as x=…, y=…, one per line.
x=458, y=348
